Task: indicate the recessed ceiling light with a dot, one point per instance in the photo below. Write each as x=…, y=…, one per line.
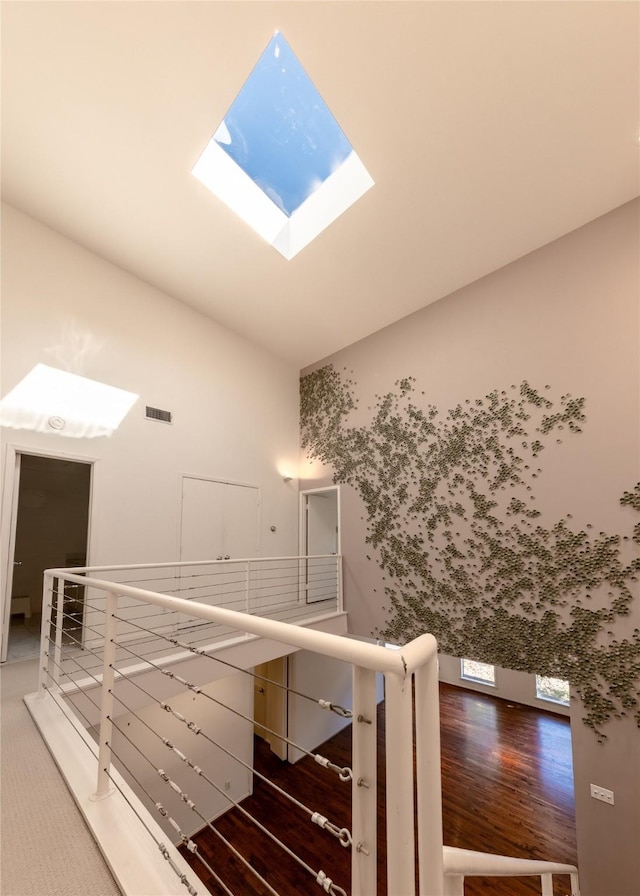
x=279, y=158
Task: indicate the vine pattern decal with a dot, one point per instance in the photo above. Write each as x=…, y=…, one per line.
x=451, y=518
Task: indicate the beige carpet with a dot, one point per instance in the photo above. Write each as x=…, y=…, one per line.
x=45, y=846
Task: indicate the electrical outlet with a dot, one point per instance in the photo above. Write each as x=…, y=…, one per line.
x=227, y=787
x=601, y=793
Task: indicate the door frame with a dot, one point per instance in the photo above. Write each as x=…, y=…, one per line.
x=9, y=517
x=303, y=536
x=303, y=516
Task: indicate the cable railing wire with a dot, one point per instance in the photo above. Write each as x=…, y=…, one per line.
x=87, y=650
x=258, y=588
x=259, y=604
x=191, y=805
x=324, y=704
x=342, y=834
x=165, y=853
x=140, y=785
x=344, y=773
x=198, y=730
x=211, y=633
x=187, y=842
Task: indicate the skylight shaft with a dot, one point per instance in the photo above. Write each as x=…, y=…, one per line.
x=292, y=171
x=56, y=401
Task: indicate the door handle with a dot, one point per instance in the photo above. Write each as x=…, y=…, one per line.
x=17, y=562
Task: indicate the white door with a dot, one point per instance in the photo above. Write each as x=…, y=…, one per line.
x=240, y=521
x=202, y=519
x=322, y=522
x=320, y=534
x=219, y=521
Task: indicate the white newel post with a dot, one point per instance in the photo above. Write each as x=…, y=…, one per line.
x=401, y=854
x=104, y=788
x=364, y=785
x=428, y=780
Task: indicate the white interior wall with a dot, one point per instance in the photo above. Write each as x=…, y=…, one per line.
x=234, y=406
x=324, y=679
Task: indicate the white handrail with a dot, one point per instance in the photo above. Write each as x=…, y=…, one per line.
x=474, y=864
x=398, y=667
x=461, y=863
x=370, y=656
x=442, y=869
x=179, y=563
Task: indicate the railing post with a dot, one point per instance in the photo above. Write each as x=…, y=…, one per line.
x=45, y=635
x=453, y=885
x=428, y=780
x=546, y=881
x=57, y=652
x=104, y=788
x=364, y=785
x=401, y=857
x=301, y=580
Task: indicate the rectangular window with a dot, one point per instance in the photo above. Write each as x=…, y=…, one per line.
x=484, y=673
x=554, y=689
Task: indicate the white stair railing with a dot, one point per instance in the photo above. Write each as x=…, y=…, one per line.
x=462, y=863
x=411, y=679
x=297, y=590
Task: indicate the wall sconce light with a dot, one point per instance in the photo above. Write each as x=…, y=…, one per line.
x=287, y=478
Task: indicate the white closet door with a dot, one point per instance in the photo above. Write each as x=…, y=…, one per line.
x=202, y=519
x=219, y=522
x=240, y=525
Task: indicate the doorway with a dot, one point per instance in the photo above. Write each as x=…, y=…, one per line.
x=270, y=704
x=319, y=535
x=49, y=527
x=320, y=521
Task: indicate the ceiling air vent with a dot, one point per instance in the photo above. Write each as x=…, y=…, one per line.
x=157, y=414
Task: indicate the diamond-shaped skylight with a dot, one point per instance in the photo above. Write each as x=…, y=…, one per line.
x=279, y=158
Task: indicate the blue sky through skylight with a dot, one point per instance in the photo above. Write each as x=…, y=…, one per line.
x=279, y=159
x=280, y=131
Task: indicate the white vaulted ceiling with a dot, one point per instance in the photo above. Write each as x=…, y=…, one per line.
x=490, y=129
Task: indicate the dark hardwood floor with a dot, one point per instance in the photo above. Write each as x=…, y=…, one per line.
x=507, y=788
